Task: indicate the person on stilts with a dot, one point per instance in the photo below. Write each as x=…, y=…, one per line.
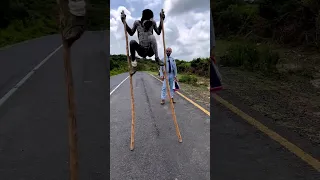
x=147, y=45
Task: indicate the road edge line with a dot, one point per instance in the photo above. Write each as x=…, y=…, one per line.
x=118, y=85
x=4, y=98
x=264, y=129
x=272, y=134
x=186, y=98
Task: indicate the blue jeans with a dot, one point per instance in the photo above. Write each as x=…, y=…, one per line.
x=164, y=89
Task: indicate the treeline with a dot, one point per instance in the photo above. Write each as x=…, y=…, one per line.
x=198, y=66
x=119, y=64
x=27, y=19
x=290, y=22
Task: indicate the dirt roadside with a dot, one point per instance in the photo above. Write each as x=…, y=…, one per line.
x=200, y=94
x=291, y=102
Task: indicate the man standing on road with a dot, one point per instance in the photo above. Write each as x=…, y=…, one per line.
x=147, y=45
x=171, y=71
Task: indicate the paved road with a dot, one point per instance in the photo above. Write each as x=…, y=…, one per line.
x=33, y=122
x=238, y=150
x=241, y=152
x=157, y=154
x=33, y=125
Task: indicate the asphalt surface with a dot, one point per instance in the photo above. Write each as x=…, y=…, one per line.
x=34, y=120
x=239, y=151
x=34, y=136
x=157, y=154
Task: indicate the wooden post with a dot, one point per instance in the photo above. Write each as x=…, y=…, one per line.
x=168, y=87
x=131, y=90
x=73, y=138
x=68, y=39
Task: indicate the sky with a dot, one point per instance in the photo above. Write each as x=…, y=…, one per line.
x=187, y=26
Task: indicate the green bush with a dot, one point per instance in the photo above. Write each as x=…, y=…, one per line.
x=251, y=57
x=240, y=55
x=189, y=79
x=141, y=67
x=184, y=66
x=268, y=60
x=291, y=22
x=117, y=71
x=242, y=17
x=28, y=19
x=198, y=66
x=119, y=64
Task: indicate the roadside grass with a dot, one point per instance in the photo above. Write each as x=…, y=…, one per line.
x=117, y=71
x=199, y=91
x=287, y=96
x=292, y=61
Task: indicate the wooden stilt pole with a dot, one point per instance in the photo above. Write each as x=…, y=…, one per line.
x=131, y=90
x=73, y=138
x=168, y=87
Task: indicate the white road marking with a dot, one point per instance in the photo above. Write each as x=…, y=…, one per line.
x=118, y=85
x=25, y=78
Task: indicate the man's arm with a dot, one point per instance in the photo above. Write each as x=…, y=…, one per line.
x=157, y=29
x=133, y=30
x=175, y=68
x=161, y=69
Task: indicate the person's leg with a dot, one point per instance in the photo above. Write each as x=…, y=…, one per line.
x=73, y=19
x=163, y=92
x=171, y=81
x=150, y=52
x=154, y=47
x=135, y=46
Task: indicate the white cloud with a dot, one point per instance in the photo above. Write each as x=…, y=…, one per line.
x=132, y=1
x=187, y=27
x=175, y=7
